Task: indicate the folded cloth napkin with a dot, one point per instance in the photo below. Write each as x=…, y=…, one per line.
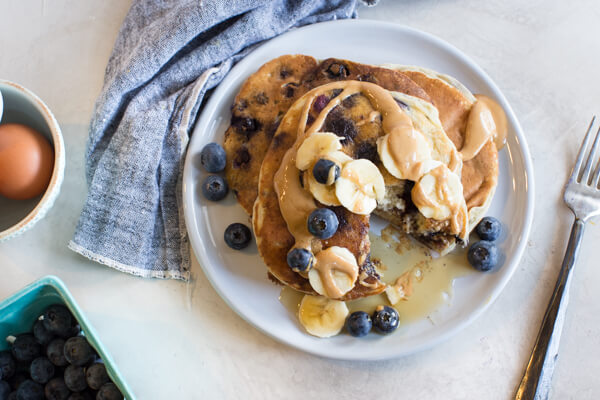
x=167, y=55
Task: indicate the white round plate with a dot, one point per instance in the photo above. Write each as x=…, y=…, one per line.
x=240, y=277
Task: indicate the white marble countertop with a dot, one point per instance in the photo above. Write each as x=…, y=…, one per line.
x=173, y=340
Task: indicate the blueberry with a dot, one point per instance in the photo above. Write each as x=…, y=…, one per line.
x=4, y=390
x=109, y=391
x=78, y=351
x=213, y=157
x=322, y=223
x=326, y=171
x=300, y=260
x=41, y=370
x=25, y=347
x=41, y=334
x=8, y=365
x=358, y=324
x=55, y=352
x=489, y=228
x=57, y=319
x=214, y=188
x=30, y=390
x=96, y=376
x=12, y=396
x=75, y=378
x=56, y=389
x=237, y=236
x=483, y=255
x=320, y=102
x=385, y=319
x=81, y=396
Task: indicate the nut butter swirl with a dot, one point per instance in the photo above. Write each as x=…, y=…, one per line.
x=487, y=121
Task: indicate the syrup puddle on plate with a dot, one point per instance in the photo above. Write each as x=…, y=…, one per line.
x=396, y=254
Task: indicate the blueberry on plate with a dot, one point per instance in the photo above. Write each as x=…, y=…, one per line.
x=8, y=366
x=96, y=376
x=300, y=260
x=214, y=188
x=56, y=389
x=75, y=378
x=55, y=352
x=25, y=347
x=213, y=157
x=385, y=319
x=58, y=319
x=41, y=370
x=237, y=236
x=30, y=390
x=322, y=223
x=483, y=255
x=489, y=228
x=109, y=391
x=358, y=324
x=326, y=171
x=78, y=351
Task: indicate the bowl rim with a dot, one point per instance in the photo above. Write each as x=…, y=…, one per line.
x=49, y=196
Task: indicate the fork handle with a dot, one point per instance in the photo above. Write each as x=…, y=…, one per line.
x=536, y=381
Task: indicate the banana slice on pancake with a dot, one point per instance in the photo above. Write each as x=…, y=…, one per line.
x=322, y=317
x=341, y=281
x=360, y=186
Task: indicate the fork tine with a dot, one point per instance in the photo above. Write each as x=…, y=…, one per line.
x=591, y=160
x=596, y=176
x=582, y=149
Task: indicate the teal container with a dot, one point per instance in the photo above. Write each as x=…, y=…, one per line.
x=19, y=312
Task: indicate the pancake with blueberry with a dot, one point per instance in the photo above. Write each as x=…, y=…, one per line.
x=344, y=150
x=268, y=94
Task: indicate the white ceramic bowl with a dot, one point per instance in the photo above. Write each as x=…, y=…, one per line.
x=19, y=105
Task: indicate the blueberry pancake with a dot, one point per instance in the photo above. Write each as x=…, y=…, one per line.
x=267, y=95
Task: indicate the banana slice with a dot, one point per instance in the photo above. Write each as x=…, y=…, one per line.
x=322, y=317
x=314, y=147
x=326, y=193
x=438, y=193
x=414, y=165
x=360, y=186
x=334, y=273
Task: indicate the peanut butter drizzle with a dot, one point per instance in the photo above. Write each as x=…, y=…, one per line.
x=296, y=203
x=327, y=262
x=458, y=209
x=487, y=121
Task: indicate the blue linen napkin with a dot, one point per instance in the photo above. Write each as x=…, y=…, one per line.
x=167, y=55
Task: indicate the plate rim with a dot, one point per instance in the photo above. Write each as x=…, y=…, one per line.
x=529, y=191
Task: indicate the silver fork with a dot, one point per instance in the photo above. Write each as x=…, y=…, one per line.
x=583, y=198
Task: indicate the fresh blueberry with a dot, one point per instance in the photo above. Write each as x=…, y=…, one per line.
x=213, y=157
x=109, y=391
x=56, y=389
x=483, y=255
x=237, y=236
x=55, y=352
x=214, y=188
x=78, y=351
x=385, y=319
x=41, y=334
x=326, y=171
x=25, y=347
x=358, y=324
x=30, y=390
x=41, y=370
x=322, y=223
x=4, y=390
x=81, y=396
x=75, y=378
x=489, y=228
x=57, y=319
x=96, y=376
x=8, y=365
x=300, y=260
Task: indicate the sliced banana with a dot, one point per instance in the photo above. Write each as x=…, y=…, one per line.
x=314, y=147
x=326, y=193
x=360, y=186
x=414, y=164
x=334, y=273
x=322, y=317
x=438, y=193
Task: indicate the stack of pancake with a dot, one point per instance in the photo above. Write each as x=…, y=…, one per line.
x=287, y=96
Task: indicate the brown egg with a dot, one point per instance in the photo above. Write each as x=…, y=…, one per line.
x=26, y=162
